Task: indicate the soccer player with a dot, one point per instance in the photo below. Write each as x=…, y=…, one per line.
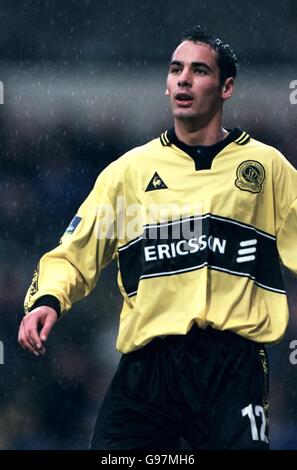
x=202, y=287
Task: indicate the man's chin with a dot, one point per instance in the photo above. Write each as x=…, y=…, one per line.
x=184, y=114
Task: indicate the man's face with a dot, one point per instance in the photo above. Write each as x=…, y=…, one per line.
x=193, y=82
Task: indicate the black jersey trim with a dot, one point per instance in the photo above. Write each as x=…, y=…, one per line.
x=242, y=140
x=193, y=218
x=124, y=247
x=218, y=217
x=218, y=242
x=214, y=268
x=242, y=224
x=48, y=301
x=164, y=139
x=241, y=137
x=240, y=274
x=203, y=155
x=236, y=135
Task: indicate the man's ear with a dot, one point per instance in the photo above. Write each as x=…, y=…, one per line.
x=227, y=88
x=167, y=92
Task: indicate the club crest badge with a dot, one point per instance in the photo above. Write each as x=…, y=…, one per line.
x=250, y=176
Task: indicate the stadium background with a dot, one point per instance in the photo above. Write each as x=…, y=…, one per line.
x=84, y=82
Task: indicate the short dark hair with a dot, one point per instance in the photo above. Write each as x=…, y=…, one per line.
x=227, y=60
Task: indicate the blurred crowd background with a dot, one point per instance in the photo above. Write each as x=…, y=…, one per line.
x=84, y=82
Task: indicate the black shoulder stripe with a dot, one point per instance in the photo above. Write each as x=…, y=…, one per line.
x=164, y=139
x=243, y=139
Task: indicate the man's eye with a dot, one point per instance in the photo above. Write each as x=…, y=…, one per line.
x=175, y=70
x=200, y=72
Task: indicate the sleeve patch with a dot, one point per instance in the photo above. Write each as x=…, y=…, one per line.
x=73, y=224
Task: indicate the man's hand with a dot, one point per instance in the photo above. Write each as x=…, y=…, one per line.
x=30, y=337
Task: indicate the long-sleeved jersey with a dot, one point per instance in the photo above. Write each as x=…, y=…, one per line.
x=198, y=233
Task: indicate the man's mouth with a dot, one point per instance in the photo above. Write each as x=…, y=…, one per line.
x=183, y=99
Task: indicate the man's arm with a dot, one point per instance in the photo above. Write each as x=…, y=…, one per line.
x=70, y=271
x=286, y=213
x=287, y=239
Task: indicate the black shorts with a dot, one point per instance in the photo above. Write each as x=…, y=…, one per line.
x=207, y=388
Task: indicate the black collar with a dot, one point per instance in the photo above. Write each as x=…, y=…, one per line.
x=203, y=155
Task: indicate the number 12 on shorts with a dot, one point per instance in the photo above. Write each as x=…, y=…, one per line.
x=259, y=411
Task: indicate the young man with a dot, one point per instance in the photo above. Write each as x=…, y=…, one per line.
x=198, y=306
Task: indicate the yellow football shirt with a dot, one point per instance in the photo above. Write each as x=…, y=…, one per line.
x=198, y=238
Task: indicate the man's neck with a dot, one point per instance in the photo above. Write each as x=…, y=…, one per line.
x=204, y=135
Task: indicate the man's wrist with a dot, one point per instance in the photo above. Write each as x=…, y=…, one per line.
x=48, y=301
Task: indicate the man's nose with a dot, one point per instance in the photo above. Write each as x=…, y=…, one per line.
x=185, y=79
